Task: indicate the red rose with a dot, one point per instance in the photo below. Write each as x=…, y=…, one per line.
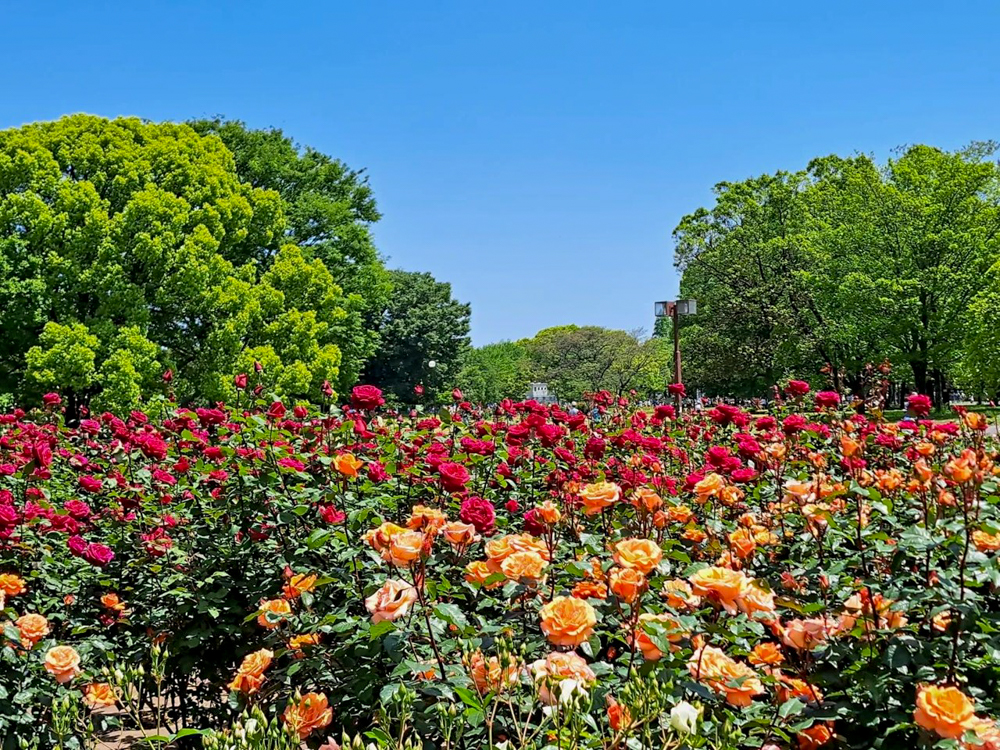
x=480, y=513
x=453, y=477
x=919, y=404
x=366, y=397
x=457, y=395
x=677, y=389
x=99, y=554
x=51, y=399
x=793, y=423
x=533, y=524
x=796, y=388
x=827, y=399
x=240, y=381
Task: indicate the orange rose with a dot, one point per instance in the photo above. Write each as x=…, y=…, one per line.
x=112, y=602
x=549, y=513
x=598, y=496
x=985, y=542
x=392, y=601
x=792, y=687
x=298, y=642
x=642, y=554
x=590, y=590
x=488, y=674
x=405, y=548
x=499, y=549
x=766, y=653
x=754, y=599
x=278, y=609
x=944, y=710
x=694, y=535
x=378, y=539
x=679, y=594
x=627, y=584
x=559, y=674
x=478, y=572
x=646, y=499
x=250, y=675
x=32, y=629
x=680, y=513
x=309, y=713
x=640, y=637
x=347, y=464
x=727, y=677
x=460, y=535
x=422, y=517
x=743, y=543
x=720, y=585
x=63, y=663
x=849, y=446
x=11, y=584
x=805, y=635
x=298, y=585
x=815, y=736
x=567, y=621
x=710, y=486
x=619, y=717
x=525, y=567
x=100, y=694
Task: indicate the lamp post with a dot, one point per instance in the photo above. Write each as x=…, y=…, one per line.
x=674, y=310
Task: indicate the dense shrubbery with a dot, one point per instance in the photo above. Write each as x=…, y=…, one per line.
x=522, y=578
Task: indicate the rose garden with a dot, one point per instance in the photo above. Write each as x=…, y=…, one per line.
x=258, y=492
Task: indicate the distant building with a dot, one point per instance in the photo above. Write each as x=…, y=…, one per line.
x=540, y=393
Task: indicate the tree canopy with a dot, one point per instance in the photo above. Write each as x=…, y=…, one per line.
x=329, y=209
x=128, y=248
x=420, y=323
x=843, y=264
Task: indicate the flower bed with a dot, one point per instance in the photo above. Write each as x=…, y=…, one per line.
x=523, y=578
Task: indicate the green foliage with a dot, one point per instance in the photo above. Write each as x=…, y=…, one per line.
x=329, y=210
x=494, y=372
x=128, y=246
x=64, y=359
x=845, y=263
x=420, y=324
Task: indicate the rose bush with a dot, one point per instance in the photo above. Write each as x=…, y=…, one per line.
x=522, y=575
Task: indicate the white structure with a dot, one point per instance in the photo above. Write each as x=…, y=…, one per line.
x=540, y=392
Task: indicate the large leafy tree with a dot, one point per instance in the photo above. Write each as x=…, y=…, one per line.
x=129, y=247
x=846, y=263
x=494, y=372
x=329, y=210
x=420, y=324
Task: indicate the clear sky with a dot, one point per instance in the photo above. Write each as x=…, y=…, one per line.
x=536, y=154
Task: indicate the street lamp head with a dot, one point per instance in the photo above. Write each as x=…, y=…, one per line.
x=661, y=309
x=687, y=307
x=432, y=364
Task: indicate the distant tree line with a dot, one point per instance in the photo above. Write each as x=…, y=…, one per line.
x=572, y=360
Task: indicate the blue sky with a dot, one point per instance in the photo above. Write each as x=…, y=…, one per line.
x=537, y=155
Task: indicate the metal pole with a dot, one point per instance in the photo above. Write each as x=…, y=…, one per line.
x=677, y=353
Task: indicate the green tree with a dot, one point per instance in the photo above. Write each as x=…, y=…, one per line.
x=329, y=211
x=846, y=263
x=574, y=360
x=494, y=372
x=139, y=243
x=420, y=324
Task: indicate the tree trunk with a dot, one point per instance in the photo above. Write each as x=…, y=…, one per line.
x=919, y=368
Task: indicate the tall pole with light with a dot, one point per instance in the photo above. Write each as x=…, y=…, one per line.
x=674, y=310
